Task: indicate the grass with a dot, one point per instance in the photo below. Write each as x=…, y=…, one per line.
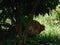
x=51, y=34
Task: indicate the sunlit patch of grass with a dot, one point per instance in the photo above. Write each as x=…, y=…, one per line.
x=52, y=29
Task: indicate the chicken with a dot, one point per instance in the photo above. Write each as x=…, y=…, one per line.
x=35, y=27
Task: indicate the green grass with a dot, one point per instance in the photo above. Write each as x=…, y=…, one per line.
x=51, y=34
x=52, y=27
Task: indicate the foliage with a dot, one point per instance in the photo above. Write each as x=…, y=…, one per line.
x=12, y=8
x=52, y=31
x=16, y=10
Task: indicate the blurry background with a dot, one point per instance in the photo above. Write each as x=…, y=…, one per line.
x=49, y=15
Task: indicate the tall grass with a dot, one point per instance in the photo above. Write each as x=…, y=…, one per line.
x=52, y=27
